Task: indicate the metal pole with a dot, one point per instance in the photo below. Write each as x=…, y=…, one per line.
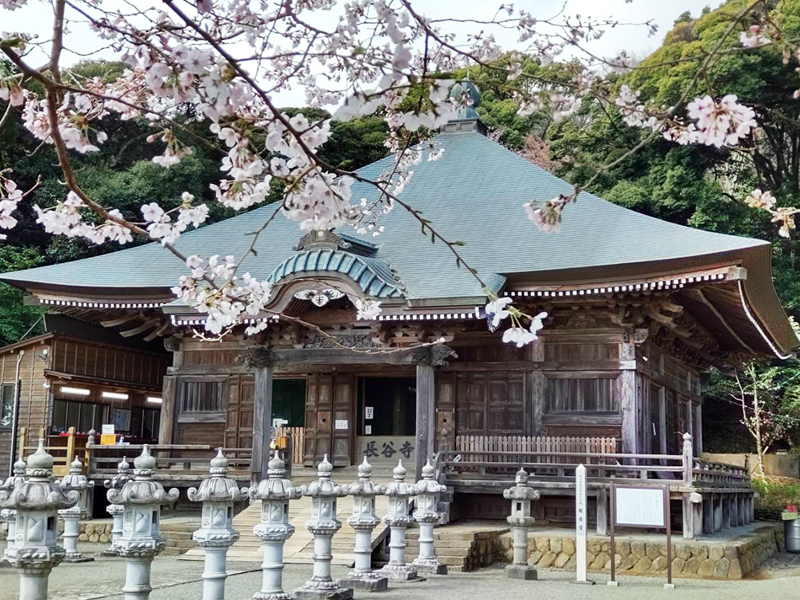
x=613, y=493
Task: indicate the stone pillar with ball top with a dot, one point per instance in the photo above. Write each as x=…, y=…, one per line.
x=521, y=496
x=142, y=499
x=398, y=519
x=218, y=494
x=9, y=515
x=323, y=524
x=37, y=501
x=363, y=521
x=428, y=492
x=117, y=482
x=274, y=492
x=76, y=481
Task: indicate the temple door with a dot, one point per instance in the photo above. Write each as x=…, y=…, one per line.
x=239, y=424
x=329, y=419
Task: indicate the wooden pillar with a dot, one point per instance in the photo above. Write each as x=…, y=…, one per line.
x=537, y=391
x=426, y=416
x=259, y=360
x=690, y=424
x=167, y=417
x=688, y=516
x=698, y=426
x=717, y=512
x=629, y=401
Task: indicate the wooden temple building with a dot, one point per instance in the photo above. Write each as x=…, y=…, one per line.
x=638, y=309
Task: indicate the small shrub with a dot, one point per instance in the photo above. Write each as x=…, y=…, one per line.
x=776, y=492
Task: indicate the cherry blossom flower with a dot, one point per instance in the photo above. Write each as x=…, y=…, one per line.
x=753, y=37
x=759, y=199
x=721, y=123
x=497, y=309
x=367, y=310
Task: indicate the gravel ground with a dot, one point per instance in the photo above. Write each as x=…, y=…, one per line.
x=180, y=580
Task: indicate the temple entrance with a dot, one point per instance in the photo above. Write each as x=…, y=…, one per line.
x=386, y=420
x=288, y=401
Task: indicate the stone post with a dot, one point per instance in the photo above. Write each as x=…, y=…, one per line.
x=428, y=491
x=76, y=481
x=9, y=515
x=398, y=519
x=275, y=492
x=216, y=534
x=117, y=482
x=520, y=520
x=142, y=498
x=364, y=521
x=323, y=524
x=37, y=501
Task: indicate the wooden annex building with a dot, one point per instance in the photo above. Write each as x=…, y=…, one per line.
x=637, y=310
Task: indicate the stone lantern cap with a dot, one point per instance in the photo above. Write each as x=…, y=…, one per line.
x=521, y=491
x=218, y=487
x=17, y=478
x=428, y=485
x=398, y=488
x=122, y=477
x=75, y=479
x=143, y=489
x=276, y=486
x=39, y=492
x=323, y=487
x=365, y=486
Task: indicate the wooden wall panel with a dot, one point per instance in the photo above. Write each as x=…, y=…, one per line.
x=122, y=365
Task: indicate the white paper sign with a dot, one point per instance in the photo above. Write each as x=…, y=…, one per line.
x=108, y=429
x=368, y=429
x=340, y=424
x=640, y=506
x=369, y=412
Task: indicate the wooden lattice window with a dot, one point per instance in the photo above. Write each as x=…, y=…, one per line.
x=202, y=400
x=581, y=395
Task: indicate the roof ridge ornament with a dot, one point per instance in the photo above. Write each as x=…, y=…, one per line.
x=322, y=240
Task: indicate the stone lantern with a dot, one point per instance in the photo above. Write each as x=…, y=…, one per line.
x=427, y=515
x=9, y=515
x=398, y=519
x=76, y=481
x=323, y=524
x=218, y=493
x=117, y=482
x=37, y=501
x=142, y=498
x=364, y=521
x=520, y=520
x=274, y=529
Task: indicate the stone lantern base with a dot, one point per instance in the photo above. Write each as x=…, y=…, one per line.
x=429, y=566
x=77, y=557
x=322, y=590
x=524, y=572
x=367, y=582
x=400, y=573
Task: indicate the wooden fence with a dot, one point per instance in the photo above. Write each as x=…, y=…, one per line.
x=521, y=445
x=298, y=437
x=63, y=448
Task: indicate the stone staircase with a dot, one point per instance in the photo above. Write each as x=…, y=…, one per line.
x=300, y=547
x=179, y=536
x=461, y=548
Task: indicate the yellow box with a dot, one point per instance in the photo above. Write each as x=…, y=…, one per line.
x=108, y=440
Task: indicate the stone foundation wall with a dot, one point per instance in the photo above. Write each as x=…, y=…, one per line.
x=696, y=559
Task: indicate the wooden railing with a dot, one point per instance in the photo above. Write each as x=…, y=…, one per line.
x=298, y=436
x=176, y=462
x=554, y=460
x=63, y=448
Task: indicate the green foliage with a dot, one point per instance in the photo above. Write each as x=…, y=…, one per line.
x=776, y=494
x=16, y=319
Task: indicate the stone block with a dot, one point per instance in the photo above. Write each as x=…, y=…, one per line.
x=543, y=544
x=722, y=567
x=642, y=565
x=659, y=564
x=556, y=545
x=562, y=560
x=715, y=553
x=624, y=549
x=366, y=584
x=600, y=562
x=520, y=572
x=568, y=546
x=706, y=568
x=593, y=547
x=731, y=552
x=531, y=544
x=94, y=538
x=83, y=537
x=104, y=538
x=638, y=549
x=547, y=560
x=605, y=547
x=653, y=551
x=691, y=566
x=534, y=558
x=683, y=551
x=735, y=572
x=677, y=566
x=628, y=562
x=572, y=563
x=336, y=594
x=700, y=552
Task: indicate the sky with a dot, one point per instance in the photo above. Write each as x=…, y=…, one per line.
x=36, y=17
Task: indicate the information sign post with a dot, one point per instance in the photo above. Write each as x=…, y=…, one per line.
x=580, y=524
x=645, y=507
